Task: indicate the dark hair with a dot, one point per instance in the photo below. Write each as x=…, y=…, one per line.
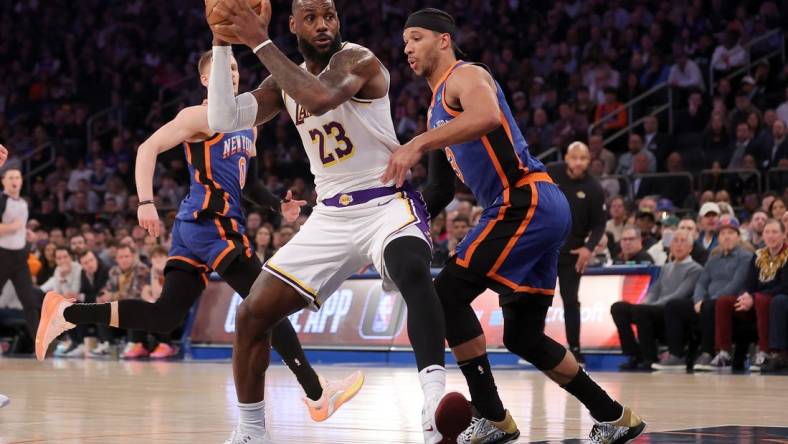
x=296, y=4
x=771, y=205
x=85, y=253
x=131, y=249
x=63, y=248
x=460, y=218
x=10, y=168
x=158, y=250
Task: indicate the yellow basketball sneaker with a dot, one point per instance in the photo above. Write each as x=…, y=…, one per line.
x=52, y=322
x=335, y=393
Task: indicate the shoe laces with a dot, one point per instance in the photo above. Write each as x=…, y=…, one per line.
x=602, y=433
x=469, y=432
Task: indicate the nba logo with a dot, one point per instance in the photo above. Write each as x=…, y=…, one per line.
x=383, y=314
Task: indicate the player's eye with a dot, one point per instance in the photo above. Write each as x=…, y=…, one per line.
x=329, y=16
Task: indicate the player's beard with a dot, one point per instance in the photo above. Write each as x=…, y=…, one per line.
x=311, y=53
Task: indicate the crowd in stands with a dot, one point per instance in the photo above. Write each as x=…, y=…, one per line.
x=563, y=65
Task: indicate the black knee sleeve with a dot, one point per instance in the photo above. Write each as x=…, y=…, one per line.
x=456, y=296
x=408, y=265
x=523, y=335
x=241, y=274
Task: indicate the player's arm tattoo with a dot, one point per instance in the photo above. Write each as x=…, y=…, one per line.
x=269, y=100
x=349, y=70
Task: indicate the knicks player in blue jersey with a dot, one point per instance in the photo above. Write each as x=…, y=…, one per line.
x=208, y=234
x=514, y=248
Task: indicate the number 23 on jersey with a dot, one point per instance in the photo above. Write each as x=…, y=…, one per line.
x=343, y=149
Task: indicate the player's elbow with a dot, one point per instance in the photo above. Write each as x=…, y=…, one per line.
x=220, y=122
x=318, y=109
x=319, y=104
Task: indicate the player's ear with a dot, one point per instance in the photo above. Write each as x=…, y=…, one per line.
x=445, y=41
x=292, y=24
x=204, y=80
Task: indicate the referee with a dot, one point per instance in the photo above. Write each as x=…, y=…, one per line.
x=586, y=200
x=13, y=251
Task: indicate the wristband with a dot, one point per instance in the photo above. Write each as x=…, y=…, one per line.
x=146, y=202
x=262, y=45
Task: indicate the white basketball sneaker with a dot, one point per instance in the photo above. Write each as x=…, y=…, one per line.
x=4, y=401
x=428, y=425
x=242, y=436
x=52, y=322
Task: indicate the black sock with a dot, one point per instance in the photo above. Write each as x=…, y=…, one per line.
x=596, y=400
x=285, y=342
x=484, y=393
x=88, y=314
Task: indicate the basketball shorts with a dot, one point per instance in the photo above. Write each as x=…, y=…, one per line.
x=207, y=244
x=514, y=248
x=343, y=235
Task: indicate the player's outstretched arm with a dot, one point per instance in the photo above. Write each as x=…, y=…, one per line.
x=228, y=112
x=350, y=69
x=475, y=90
x=189, y=123
x=3, y=154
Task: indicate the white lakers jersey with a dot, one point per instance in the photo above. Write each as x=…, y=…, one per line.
x=348, y=147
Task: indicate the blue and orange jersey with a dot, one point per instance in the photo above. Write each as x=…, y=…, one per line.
x=492, y=164
x=217, y=169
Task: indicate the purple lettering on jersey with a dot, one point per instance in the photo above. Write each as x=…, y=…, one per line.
x=344, y=146
x=301, y=114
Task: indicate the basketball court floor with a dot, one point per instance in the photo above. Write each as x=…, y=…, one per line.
x=97, y=402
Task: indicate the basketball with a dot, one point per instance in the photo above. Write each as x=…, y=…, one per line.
x=214, y=17
x=452, y=416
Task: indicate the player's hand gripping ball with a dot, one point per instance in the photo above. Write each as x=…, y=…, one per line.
x=219, y=22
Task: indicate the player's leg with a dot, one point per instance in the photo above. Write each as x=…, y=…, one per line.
x=407, y=262
x=309, y=268
x=524, y=320
x=569, y=279
x=240, y=275
x=19, y=275
x=180, y=290
x=269, y=302
x=466, y=338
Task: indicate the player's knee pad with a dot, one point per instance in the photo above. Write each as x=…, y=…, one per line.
x=462, y=325
x=535, y=347
x=407, y=261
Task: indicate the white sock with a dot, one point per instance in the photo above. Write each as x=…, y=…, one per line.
x=252, y=416
x=433, y=382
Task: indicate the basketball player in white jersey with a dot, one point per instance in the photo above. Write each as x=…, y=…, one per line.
x=338, y=100
x=4, y=401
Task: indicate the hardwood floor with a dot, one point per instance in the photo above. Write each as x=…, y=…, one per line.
x=68, y=401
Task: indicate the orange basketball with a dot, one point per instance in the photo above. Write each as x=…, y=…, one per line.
x=216, y=18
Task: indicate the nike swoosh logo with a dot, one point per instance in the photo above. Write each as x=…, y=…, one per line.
x=431, y=429
x=436, y=370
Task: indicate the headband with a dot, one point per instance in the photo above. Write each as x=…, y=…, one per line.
x=432, y=19
x=435, y=20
